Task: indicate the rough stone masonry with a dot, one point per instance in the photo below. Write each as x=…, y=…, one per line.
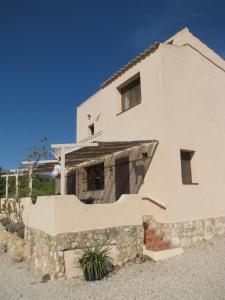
x=49, y=253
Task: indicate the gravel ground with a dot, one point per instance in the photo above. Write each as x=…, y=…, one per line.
x=198, y=274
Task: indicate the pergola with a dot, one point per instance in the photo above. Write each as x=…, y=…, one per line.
x=13, y=173
x=46, y=166
x=71, y=155
x=29, y=170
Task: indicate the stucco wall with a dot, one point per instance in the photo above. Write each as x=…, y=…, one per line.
x=59, y=214
x=94, y=107
x=183, y=107
x=194, y=100
x=185, y=37
x=106, y=103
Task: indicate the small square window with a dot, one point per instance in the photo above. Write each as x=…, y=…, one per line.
x=131, y=94
x=186, y=157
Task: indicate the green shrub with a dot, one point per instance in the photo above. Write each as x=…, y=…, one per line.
x=95, y=262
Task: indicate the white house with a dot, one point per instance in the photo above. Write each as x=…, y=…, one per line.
x=172, y=97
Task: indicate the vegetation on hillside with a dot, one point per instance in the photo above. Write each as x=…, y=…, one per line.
x=42, y=184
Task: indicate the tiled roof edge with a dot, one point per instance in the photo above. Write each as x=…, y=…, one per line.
x=131, y=63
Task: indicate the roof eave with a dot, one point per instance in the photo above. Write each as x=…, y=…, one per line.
x=131, y=63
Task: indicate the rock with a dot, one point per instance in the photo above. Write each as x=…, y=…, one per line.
x=208, y=235
x=3, y=248
x=74, y=245
x=175, y=241
x=61, y=253
x=45, y=278
x=18, y=259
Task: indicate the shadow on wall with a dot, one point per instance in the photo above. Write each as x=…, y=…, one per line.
x=140, y=171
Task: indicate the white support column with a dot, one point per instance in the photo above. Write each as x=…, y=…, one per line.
x=30, y=180
x=6, y=186
x=17, y=183
x=62, y=179
x=65, y=149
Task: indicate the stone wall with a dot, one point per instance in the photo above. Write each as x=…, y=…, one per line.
x=47, y=253
x=55, y=254
x=185, y=234
x=11, y=243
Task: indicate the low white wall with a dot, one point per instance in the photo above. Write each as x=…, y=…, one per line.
x=59, y=214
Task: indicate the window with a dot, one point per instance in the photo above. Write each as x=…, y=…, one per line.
x=95, y=177
x=91, y=129
x=186, y=157
x=131, y=94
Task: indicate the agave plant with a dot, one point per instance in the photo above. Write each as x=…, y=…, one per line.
x=94, y=262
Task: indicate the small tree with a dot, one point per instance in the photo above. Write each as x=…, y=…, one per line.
x=35, y=155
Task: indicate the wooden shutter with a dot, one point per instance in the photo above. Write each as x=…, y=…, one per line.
x=131, y=94
x=122, y=176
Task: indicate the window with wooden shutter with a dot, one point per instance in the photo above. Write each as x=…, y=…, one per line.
x=186, y=157
x=131, y=94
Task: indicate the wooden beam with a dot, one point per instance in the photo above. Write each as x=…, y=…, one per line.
x=47, y=161
x=105, y=143
x=72, y=145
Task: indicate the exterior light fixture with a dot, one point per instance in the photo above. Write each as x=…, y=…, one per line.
x=145, y=155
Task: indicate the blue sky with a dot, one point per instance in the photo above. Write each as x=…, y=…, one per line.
x=54, y=54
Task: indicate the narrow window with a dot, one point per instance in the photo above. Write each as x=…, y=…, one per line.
x=131, y=94
x=95, y=177
x=91, y=129
x=186, y=157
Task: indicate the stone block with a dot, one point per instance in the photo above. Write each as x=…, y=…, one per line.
x=113, y=255
x=208, y=235
x=163, y=254
x=72, y=268
x=175, y=241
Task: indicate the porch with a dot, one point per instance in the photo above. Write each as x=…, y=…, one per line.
x=103, y=171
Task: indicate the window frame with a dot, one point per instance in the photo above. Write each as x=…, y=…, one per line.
x=126, y=86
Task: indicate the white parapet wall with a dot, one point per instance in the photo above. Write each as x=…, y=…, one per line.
x=61, y=214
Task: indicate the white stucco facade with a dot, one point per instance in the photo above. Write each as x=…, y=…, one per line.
x=183, y=107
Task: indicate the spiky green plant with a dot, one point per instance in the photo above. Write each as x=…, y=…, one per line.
x=95, y=262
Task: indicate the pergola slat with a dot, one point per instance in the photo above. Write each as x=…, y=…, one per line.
x=103, y=148
x=86, y=153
